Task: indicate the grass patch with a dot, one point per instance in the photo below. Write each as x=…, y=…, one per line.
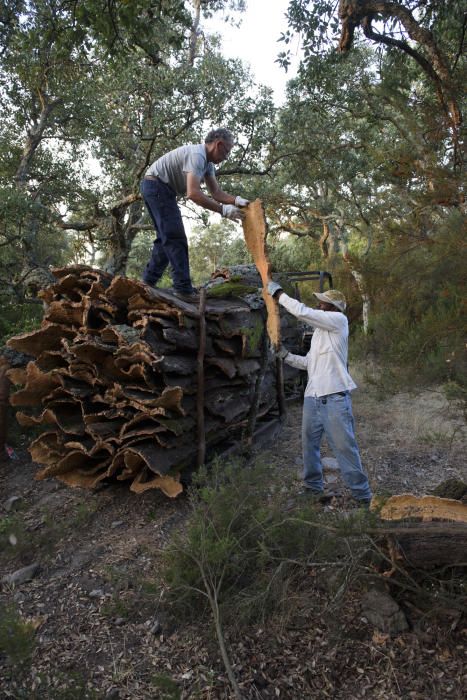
x=243, y=555
x=16, y=639
x=165, y=687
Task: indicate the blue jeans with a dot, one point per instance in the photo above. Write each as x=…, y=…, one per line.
x=332, y=416
x=171, y=245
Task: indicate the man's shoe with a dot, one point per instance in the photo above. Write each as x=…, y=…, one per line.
x=364, y=503
x=312, y=495
x=191, y=296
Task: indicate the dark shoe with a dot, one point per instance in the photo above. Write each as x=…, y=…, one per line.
x=312, y=495
x=192, y=295
x=364, y=503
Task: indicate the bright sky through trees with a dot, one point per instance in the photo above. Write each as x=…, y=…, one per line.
x=256, y=42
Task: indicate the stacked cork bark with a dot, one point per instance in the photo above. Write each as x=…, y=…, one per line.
x=113, y=381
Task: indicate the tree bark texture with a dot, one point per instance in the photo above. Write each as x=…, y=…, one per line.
x=4, y=396
x=425, y=531
x=255, y=231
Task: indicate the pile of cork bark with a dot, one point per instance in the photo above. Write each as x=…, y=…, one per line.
x=114, y=379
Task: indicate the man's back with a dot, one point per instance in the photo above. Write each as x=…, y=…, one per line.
x=173, y=167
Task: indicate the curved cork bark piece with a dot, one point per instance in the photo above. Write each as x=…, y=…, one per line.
x=38, y=384
x=255, y=232
x=167, y=484
x=426, y=508
x=48, y=337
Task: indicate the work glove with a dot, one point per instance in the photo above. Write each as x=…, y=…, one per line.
x=229, y=211
x=273, y=287
x=282, y=352
x=240, y=202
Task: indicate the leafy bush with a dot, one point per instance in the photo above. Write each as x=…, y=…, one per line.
x=16, y=638
x=241, y=548
x=18, y=318
x=416, y=318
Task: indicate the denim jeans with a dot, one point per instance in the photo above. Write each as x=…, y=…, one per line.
x=171, y=245
x=332, y=416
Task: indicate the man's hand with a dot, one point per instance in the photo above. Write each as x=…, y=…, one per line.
x=282, y=352
x=229, y=211
x=240, y=202
x=273, y=287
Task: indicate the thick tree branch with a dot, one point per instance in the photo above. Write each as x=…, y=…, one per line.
x=120, y=206
x=354, y=13
x=35, y=135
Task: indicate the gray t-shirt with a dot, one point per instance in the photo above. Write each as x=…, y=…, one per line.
x=172, y=167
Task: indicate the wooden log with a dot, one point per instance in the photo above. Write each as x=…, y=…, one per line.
x=253, y=415
x=428, y=545
x=424, y=532
x=425, y=508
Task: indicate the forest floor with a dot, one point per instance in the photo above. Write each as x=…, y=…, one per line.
x=101, y=629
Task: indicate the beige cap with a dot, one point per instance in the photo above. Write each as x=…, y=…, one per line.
x=332, y=296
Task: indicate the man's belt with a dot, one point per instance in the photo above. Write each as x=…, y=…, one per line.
x=324, y=399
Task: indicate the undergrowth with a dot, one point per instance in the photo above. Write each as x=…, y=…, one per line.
x=244, y=547
x=16, y=639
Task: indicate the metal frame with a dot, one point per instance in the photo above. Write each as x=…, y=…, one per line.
x=295, y=278
x=310, y=275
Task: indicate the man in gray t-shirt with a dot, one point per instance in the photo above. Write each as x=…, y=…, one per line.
x=181, y=172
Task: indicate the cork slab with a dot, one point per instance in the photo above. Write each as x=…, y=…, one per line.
x=425, y=508
x=255, y=232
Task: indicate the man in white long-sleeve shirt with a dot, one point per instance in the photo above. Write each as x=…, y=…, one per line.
x=327, y=407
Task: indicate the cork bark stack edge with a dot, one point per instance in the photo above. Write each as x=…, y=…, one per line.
x=112, y=378
x=255, y=232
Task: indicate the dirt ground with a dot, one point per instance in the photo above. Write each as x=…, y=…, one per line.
x=101, y=628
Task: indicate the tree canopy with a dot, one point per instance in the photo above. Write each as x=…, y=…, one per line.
x=360, y=170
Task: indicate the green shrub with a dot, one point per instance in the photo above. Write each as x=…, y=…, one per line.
x=16, y=638
x=242, y=548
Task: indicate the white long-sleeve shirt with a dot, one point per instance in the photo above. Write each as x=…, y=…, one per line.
x=326, y=361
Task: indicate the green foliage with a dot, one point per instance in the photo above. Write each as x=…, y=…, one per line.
x=16, y=638
x=18, y=318
x=214, y=246
x=417, y=324
x=105, y=88
x=166, y=688
x=292, y=254
x=240, y=552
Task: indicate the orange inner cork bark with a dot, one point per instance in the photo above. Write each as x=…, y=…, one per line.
x=255, y=232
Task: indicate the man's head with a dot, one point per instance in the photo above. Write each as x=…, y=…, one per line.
x=219, y=143
x=332, y=300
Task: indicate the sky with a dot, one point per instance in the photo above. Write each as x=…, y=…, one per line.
x=256, y=42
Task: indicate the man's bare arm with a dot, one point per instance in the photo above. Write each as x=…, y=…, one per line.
x=216, y=192
x=195, y=193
